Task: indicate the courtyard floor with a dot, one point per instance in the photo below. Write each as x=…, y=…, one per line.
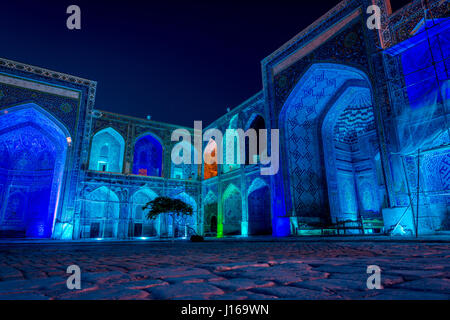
x=230, y=269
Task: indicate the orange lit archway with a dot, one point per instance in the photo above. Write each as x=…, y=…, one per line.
x=210, y=155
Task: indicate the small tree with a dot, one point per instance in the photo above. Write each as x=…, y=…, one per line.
x=175, y=208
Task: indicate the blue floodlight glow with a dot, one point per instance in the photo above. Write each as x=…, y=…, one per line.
x=107, y=151
x=148, y=157
x=33, y=152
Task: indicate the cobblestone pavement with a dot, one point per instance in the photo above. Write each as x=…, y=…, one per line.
x=225, y=270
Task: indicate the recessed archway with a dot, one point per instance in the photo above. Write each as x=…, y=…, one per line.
x=101, y=214
x=350, y=145
x=185, y=171
x=186, y=226
x=300, y=123
x=148, y=156
x=210, y=155
x=107, y=151
x=210, y=214
x=232, y=211
x=33, y=148
x=139, y=225
x=259, y=219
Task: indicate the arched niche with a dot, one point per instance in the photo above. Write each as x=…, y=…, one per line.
x=34, y=147
x=101, y=214
x=139, y=225
x=210, y=160
x=259, y=217
x=210, y=214
x=107, y=151
x=350, y=145
x=148, y=156
x=232, y=211
x=187, y=226
x=185, y=171
x=300, y=123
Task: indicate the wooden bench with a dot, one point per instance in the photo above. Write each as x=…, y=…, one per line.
x=349, y=225
x=372, y=223
x=323, y=227
x=334, y=228
x=361, y=225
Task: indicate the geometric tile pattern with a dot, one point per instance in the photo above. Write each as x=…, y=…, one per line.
x=300, y=117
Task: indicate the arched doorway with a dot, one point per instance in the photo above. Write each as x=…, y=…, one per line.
x=232, y=211
x=210, y=214
x=101, y=214
x=311, y=191
x=33, y=148
x=148, y=156
x=259, y=220
x=140, y=226
x=107, y=150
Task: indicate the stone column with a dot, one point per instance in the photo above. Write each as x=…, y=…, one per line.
x=122, y=232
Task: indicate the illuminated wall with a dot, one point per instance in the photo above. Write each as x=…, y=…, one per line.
x=420, y=92
x=361, y=129
x=350, y=146
x=107, y=150
x=256, y=123
x=233, y=153
x=101, y=214
x=147, y=159
x=183, y=170
x=434, y=188
x=210, y=214
x=140, y=226
x=425, y=62
x=33, y=153
x=180, y=226
x=186, y=226
x=259, y=220
x=232, y=211
x=316, y=92
x=210, y=163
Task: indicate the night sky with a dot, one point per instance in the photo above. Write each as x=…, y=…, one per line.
x=176, y=61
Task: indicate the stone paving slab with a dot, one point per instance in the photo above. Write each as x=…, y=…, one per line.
x=288, y=292
x=180, y=290
x=225, y=270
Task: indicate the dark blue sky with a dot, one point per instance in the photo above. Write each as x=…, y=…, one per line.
x=177, y=61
